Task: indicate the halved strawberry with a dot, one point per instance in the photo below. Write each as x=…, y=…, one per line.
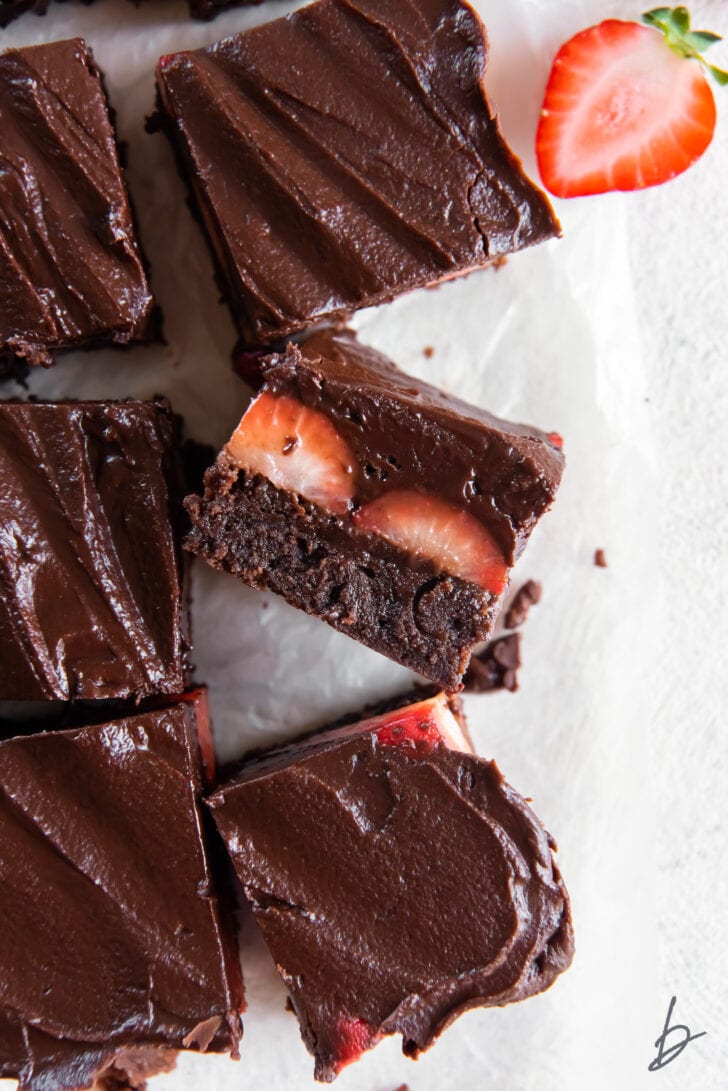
x=626, y=106
x=296, y=448
x=429, y=527
x=421, y=727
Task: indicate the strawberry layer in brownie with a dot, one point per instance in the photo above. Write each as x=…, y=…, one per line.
x=375, y=502
x=464, y=904
x=344, y=155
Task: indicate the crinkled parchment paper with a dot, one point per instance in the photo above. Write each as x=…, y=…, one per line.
x=550, y=338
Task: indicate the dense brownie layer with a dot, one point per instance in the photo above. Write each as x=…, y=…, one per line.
x=113, y=946
x=92, y=603
x=346, y=154
x=71, y=272
x=359, y=583
x=464, y=904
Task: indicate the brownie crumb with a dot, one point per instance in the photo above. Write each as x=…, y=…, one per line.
x=600, y=558
x=524, y=599
x=500, y=261
x=428, y=352
x=496, y=667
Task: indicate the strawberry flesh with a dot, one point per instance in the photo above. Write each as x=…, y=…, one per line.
x=296, y=448
x=450, y=537
x=411, y=731
x=622, y=111
x=355, y=1036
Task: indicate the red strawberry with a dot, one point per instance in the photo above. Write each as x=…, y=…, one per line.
x=355, y=1036
x=423, y=725
x=296, y=448
x=626, y=106
x=455, y=540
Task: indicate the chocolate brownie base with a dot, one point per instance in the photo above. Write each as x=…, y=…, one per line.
x=464, y=906
x=115, y=950
x=359, y=583
x=93, y=596
x=316, y=176
x=73, y=274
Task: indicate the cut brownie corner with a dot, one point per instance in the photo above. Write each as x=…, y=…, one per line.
x=465, y=904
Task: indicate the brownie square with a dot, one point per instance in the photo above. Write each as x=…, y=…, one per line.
x=346, y=154
x=92, y=603
x=396, y=878
x=71, y=273
x=375, y=502
x=114, y=948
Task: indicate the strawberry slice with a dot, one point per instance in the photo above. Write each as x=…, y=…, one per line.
x=354, y=1038
x=296, y=448
x=455, y=540
x=626, y=106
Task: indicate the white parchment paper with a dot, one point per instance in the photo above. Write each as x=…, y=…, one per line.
x=551, y=339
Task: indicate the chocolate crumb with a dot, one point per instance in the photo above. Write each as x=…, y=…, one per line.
x=500, y=261
x=428, y=352
x=496, y=667
x=600, y=558
x=524, y=599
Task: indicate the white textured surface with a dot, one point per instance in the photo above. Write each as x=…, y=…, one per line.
x=617, y=730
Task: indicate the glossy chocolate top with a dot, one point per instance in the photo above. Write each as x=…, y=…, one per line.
x=111, y=937
x=70, y=268
x=397, y=882
x=406, y=434
x=346, y=154
x=91, y=596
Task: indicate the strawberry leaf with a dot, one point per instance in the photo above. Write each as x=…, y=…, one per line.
x=718, y=75
x=674, y=23
x=681, y=20
x=701, y=40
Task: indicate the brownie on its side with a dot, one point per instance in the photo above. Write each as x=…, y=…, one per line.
x=71, y=273
x=114, y=949
x=375, y=502
x=464, y=904
x=92, y=603
x=344, y=155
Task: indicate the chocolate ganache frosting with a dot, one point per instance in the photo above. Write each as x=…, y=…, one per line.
x=92, y=603
x=113, y=947
x=398, y=882
x=407, y=434
x=70, y=268
x=346, y=154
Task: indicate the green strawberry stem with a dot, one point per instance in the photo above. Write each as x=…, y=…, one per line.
x=675, y=25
